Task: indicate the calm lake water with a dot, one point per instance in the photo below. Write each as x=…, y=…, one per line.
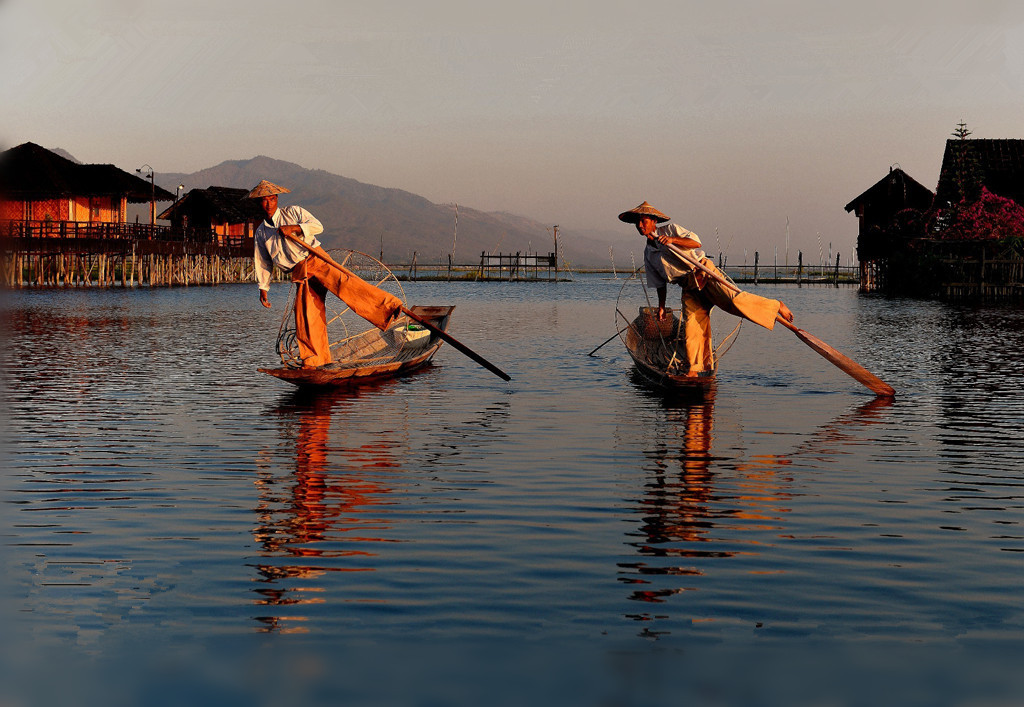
x=180, y=529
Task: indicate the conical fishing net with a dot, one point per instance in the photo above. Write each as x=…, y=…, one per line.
x=354, y=342
x=661, y=344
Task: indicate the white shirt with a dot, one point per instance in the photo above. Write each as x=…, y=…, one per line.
x=662, y=265
x=274, y=249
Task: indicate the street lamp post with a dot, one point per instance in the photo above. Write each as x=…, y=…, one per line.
x=152, y=188
x=177, y=192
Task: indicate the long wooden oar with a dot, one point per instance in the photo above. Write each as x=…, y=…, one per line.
x=459, y=345
x=445, y=336
x=846, y=364
x=608, y=341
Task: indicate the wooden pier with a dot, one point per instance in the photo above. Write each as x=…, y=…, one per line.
x=518, y=266
x=492, y=267
x=127, y=261
x=800, y=273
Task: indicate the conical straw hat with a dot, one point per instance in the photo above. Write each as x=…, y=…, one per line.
x=265, y=188
x=635, y=214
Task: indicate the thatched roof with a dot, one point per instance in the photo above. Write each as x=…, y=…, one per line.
x=894, y=192
x=31, y=172
x=999, y=166
x=221, y=203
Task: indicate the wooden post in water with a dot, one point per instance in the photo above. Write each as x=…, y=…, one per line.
x=799, y=268
x=757, y=257
x=835, y=278
x=555, y=229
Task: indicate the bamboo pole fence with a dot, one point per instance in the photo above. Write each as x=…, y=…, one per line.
x=125, y=262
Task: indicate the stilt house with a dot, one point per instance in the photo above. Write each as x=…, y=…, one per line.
x=220, y=215
x=880, y=211
x=968, y=165
x=45, y=194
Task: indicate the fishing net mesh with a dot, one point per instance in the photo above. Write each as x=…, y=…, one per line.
x=355, y=343
x=661, y=342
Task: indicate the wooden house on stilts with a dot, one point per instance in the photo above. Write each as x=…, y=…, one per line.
x=47, y=195
x=885, y=212
x=965, y=242
x=985, y=179
x=221, y=215
x=65, y=224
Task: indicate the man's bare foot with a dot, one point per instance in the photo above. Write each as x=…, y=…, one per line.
x=784, y=312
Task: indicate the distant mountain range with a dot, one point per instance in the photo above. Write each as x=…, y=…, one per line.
x=370, y=218
x=65, y=154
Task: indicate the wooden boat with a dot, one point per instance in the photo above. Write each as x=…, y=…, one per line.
x=375, y=354
x=659, y=353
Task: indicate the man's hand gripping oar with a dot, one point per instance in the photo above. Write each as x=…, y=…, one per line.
x=841, y=361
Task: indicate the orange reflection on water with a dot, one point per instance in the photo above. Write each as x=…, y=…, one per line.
x=324, y=510
x=687, y=515
x=675, y=504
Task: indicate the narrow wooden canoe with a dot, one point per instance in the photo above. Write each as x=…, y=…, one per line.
x=375, y=354
x=660, y=356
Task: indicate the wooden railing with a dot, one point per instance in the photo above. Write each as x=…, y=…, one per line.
x=41, y=232
x=83, y=229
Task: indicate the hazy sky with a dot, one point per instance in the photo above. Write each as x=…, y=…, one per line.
x=726, y=115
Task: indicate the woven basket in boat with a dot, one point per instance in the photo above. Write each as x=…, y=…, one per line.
x=653, y=328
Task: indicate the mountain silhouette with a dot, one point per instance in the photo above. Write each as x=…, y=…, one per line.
x=372, y=219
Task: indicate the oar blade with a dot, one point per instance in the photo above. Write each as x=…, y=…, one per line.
x=856, y=371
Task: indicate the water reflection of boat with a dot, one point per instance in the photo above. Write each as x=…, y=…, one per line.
x=698, y=509
x=375, y=354
x=321, y=518
x=676, y=504
x=692, y=515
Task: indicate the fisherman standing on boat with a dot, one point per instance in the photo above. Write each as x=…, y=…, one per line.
x=700, y=292
x=313, y=277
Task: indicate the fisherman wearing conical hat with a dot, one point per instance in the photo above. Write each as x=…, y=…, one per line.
x=313, y=277
x=700, y=292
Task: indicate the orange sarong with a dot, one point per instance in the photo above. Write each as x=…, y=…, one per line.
x=313, y=279
x=697, y=305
